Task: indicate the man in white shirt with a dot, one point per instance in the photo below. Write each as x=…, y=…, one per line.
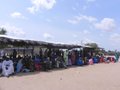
x=7, y=67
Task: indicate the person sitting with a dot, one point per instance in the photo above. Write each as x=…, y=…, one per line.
x=63, y=63
x=46, y=64
x=27, y=64
x=95, y=59
x=60, y=62
x=7, y=67
x=19, y=65
x=37, y=63
x=31, y=64
x=57, y=62
x=54, y=59
x=80, y=62
x=107, y=59
x=101, y=59
x=112, y=59
x=0, y=66
x=90, y=61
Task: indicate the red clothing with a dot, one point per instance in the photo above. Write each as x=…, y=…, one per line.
x=101, y=59
x=37, y=67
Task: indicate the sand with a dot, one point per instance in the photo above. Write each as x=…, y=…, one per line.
x=92, y=77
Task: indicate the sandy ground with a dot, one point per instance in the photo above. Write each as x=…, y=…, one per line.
x=93, y=77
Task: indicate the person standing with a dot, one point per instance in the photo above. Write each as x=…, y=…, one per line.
x=14, y=54
x=66, y=57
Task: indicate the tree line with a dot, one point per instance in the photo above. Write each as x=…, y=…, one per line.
x=3, y=31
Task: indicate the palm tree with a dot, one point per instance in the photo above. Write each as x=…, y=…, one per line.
x=3, y=31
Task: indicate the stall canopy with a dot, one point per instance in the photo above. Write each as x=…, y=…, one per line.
x=21, y=42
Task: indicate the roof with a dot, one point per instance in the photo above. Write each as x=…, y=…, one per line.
x=22, y=42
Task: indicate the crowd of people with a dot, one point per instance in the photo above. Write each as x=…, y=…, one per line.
x=49, y=59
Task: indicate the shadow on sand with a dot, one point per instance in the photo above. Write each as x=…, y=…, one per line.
x=48, y=71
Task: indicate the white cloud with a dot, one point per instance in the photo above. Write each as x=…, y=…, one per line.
x=81, y=33
x=87, y=18
x=41, y=4
x=115, y=38
x=86, y=40
x=88, y=1
x=78, y=19
x=75, y=36
x=17, y=15
x=73, y=21
x=82, y=42
x=13, y=31
x=86, y=32
x=47, y=36
x=88, y=4
x=32, y=10
x=107, y=24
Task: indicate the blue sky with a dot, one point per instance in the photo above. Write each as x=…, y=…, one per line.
x=63, y=21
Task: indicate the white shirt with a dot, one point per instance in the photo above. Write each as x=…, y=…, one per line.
x=7, y=67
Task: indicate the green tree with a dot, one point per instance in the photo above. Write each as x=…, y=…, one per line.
x=93, y=45
x=3, y=31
